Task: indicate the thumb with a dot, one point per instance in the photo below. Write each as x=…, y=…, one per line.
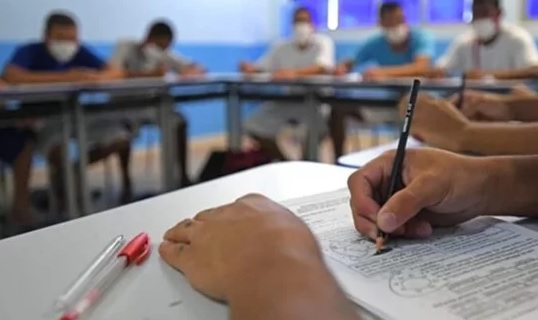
x=421, y=193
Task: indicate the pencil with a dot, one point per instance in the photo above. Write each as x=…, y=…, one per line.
x=461, y=98
x=397, y=166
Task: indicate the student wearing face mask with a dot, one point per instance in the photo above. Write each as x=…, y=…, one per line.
x=306, y=54
x=153, y=57
x=60, y=57
x=491, y=46
x=398, y=51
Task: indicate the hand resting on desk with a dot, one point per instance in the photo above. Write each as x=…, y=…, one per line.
x=258, y=257
x=441, y=189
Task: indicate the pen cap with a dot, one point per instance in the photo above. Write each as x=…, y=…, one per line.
x=137, y=250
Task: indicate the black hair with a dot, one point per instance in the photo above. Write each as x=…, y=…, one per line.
x=300, y=10
x=388, y=7
x=59, y=18
x=161, y=29
x=495, y=3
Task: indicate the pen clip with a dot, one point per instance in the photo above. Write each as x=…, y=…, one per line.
x=137, y=250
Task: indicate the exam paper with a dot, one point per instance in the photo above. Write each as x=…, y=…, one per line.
x=484, y=269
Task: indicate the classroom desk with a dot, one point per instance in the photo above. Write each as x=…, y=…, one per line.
x=140, y=93
x=361, y=158
x=36, y=267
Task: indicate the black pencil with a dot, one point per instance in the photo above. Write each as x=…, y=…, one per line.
x=397, y=166
x=461, y=92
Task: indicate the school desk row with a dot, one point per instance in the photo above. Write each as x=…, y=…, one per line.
x=73, y=102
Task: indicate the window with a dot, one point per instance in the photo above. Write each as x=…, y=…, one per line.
x=346, y=14
x=448, y=11
x=532, y=9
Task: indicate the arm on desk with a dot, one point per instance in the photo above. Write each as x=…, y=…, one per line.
x=282, y=276
x=16, y=75
x=111, y=72
x=526, y=73
x=417, y=68
x=290, y=289
x=499, y=139
x=518, y=106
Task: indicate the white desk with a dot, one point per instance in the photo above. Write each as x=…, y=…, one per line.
x=359, y=159
x=36, y=267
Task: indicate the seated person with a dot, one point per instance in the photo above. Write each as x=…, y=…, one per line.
x=284, y=275
x=153, y=57
x=493, y=46
x=399, y=51
x=306, y=54
x=438, y=123
x=60, y=57
x=16, y=149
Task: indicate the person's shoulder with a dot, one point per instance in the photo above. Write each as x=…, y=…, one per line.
x=322, y=38
x=418, y=33
x=467, y=38
x=31, y=46
x=375, y=39
x=127, y=44
x=515, y=33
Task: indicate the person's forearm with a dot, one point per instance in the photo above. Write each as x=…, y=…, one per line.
x=512, y=186
x=310, y=71
x=143, y=74
x=409, y=70
x=522, y=108
x=112, y=73
x=288, y=288
x=500, y=139
x=35, y=77
x=531, y=72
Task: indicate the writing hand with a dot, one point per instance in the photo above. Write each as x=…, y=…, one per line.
x=441, y=189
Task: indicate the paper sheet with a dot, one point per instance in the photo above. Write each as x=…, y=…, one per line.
x=360, y=159
x=484, y=269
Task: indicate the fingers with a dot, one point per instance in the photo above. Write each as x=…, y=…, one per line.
x=421, y=193
x=261, y=203
x=176, y=255
x=183, y=232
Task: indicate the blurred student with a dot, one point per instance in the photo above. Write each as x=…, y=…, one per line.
x=306, y=54
x=399, y=51
x=60, y=57
x=491, y=47
x=485, y=126
x=16, y=149
x=152, y=57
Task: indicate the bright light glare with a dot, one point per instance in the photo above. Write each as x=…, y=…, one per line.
x=332, y=14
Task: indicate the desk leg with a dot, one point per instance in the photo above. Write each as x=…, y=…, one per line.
x=233, y=118
x=69, y=183
x=80, y=123
x=312, y=136
x=166, y=149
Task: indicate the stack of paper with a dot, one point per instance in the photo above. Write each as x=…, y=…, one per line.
x=484, y=269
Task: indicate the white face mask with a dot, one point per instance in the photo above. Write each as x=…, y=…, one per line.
x=485, y=29
x=63, y=51
x=153, y=51
x=302, y=32
x=397, y=34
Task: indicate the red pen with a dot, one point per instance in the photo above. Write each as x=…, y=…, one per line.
x=135, y=252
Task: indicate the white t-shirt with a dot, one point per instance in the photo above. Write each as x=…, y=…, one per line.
x=287, y=55
x=130, y=56
x=513, y=49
